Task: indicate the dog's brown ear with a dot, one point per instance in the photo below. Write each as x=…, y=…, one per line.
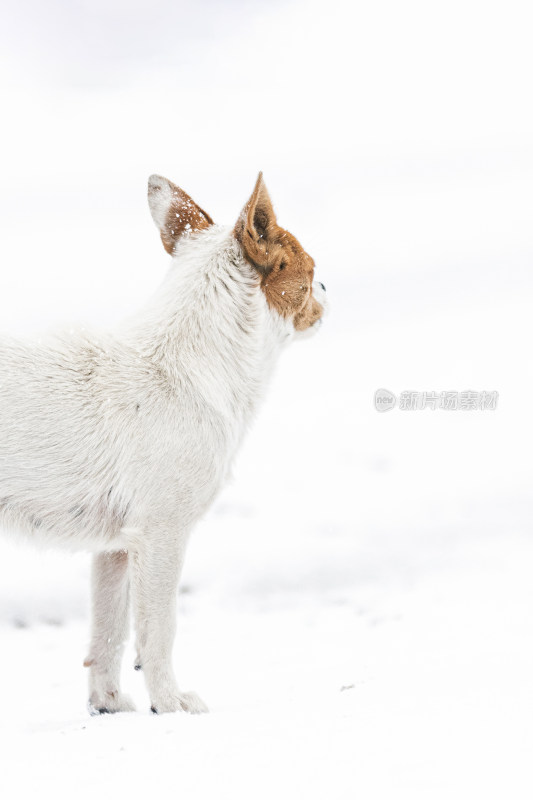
x=174, y=212
x=256, y=228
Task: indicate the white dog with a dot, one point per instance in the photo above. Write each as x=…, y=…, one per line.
x=119, y=442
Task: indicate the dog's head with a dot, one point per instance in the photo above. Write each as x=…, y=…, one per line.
x=285, y=272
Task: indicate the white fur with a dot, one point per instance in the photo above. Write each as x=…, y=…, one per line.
x=118, y=442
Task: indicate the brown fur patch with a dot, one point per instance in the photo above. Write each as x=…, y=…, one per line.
x=183, y=216
x=286, y=270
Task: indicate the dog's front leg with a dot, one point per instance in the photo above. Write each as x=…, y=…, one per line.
x=110, y=623
x=157, y=561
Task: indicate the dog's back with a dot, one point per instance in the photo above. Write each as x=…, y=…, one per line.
x=58, y=457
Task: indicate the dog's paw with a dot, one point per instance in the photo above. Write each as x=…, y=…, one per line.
x=109, y=703
x=184, y=701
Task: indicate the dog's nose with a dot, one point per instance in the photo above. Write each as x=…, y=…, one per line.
x=322, y=285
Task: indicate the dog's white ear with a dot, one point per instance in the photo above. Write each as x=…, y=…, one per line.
x=257, y=228
x=174, y=212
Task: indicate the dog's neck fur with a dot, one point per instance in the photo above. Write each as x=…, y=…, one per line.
x=210, y=327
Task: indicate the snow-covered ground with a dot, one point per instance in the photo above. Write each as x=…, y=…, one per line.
x=356, y=608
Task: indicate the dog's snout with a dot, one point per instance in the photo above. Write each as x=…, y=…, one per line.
x=322, y=285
